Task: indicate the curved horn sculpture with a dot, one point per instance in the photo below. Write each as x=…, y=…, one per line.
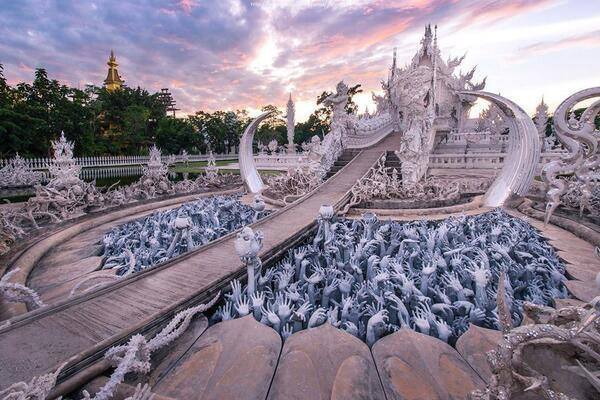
x=523, y=151
x=580, y=160
x=248, y=171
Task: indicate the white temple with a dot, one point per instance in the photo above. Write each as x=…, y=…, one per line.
x=423, y=100
x=429, y=102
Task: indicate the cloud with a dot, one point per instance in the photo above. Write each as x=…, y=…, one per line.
x=488, y=12
x=589, y=39
x=229, y=54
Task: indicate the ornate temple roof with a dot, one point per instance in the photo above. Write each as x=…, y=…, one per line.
x=428, y=80
x=113, y=80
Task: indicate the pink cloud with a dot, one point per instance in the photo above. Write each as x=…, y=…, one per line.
x=187, y=5
x=590, y=39
x=341, y=45
x=25, y=68
x=493, y=11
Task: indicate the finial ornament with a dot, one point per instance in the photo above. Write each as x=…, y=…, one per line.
x=113, y=80
x=247, y=245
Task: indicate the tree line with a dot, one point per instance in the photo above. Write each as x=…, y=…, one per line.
x=128, y=121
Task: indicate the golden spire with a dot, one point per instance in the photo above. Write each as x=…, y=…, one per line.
x=113, y=81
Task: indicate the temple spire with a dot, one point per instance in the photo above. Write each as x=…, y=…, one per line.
x=394, y=63
x=290, y=122
x=541, y=121
x=434, y=77
x=113, y=81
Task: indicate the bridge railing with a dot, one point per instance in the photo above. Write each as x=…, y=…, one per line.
x=368, y=136
x=481, y=160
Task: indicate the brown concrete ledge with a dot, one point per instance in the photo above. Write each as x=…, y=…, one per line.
x=579, y=230
x=415, y=203
x=273, y=202
x=427, y=213
x=29, y=257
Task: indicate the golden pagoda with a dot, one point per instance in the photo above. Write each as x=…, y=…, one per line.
x=113, y=81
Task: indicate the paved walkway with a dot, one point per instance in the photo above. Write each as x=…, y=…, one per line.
x=87, y=325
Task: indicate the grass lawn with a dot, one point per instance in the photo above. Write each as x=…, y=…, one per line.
x=198, y=170
x=262, y=172
x=198, y=166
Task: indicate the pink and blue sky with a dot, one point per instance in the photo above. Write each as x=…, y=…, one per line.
x=233, y=54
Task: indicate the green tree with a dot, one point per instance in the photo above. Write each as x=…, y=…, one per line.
x=126, y=120
x=14, y=125
x=351, y=106
x=273, y=127
x=36, y=114
x=5, y=92
x=173, y=135
x=319, y=121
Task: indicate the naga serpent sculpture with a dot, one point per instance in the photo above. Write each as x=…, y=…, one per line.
x=523, y=151
x=252, y=180
x=578, y=137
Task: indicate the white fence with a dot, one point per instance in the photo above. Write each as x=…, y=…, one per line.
x=468, y=161
x=114, y=161
x=88, y=174
x=112, y=166
x=281, y=161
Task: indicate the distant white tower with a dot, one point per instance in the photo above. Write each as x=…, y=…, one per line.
x=291, y=111
x=541, y=119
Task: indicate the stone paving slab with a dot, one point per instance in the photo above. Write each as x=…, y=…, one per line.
x=234, y=359
x=63, y=273
x=473, y=346
x=581, y=273
x=325, y=363
x=584, y=291
x=562, y=303
x=166, y=358
x=414, y=366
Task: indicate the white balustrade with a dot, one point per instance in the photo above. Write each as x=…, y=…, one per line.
x=110, y=166
x=479, y=160
x=280, y=161
x=103, y=161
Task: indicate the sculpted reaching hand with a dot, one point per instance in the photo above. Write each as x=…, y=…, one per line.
x=371, y=278
x=318, y=317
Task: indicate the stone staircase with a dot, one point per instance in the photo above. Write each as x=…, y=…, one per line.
x=344, y=159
